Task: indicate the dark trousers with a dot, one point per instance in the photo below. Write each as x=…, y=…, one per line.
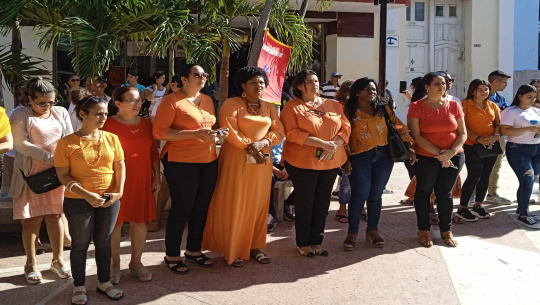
x=312, y=200
x=86, y=222
x=525, y=162
x=370, y=173
x=191, y=186
x=430, y=176
x=478, y=172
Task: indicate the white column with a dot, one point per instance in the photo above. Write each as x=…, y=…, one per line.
x=506, y=43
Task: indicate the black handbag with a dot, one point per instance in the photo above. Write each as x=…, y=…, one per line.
x=485, y=152
x=43, y=182
x=397, y=149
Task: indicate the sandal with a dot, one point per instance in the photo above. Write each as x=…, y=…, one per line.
x=434, y=219
x=363, y=217
x=342, y=218
x=424, y=237
x=373, y=237
x=238, y=263
x=176, y=265
x=307, y=251
x=115, y=276
x=111, y=293
x=260, y=257
x=200, y=260
x=33, y=274
x=448, y=238
x=76, y=299
x=350, y=241
x=63, y=272
x=407, y=202
x=319, y=250
x=142, y=273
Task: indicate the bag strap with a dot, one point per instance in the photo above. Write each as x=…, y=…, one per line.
x=387, y=116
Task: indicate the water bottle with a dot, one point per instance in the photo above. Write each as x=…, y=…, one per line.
x=534, y=122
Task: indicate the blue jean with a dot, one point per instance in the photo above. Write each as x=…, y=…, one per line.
x=370, y=173
x=344, y=189
x=525, y=161
x=87, y=223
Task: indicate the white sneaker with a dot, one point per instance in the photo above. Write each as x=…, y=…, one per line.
x=497, y=200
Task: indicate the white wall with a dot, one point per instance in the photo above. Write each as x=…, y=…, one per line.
x=396, y=57
x=30, y=48
x=506, y=41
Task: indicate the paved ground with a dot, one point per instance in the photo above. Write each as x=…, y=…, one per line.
x=497, y=262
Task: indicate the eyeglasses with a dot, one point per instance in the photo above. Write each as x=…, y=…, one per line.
x=75, y=80
x=134, y=101
x=200, y=75
x=44, y=105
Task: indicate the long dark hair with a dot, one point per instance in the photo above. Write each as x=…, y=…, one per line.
x=352, y=104
x=420, y=91
x=473, y=86
x=523, y=89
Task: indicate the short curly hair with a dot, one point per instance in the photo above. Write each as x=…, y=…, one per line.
x=247, y=73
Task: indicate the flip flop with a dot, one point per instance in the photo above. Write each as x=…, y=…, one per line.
x=342, y=218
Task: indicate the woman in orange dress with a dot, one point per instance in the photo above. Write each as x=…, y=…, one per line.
x=236, y=225
x=142, y=179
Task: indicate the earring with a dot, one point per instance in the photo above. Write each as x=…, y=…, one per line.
x=244, y=94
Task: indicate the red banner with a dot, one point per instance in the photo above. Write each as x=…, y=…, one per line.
x=274, y=59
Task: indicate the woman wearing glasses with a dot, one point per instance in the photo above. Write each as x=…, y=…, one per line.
x=90, y=163
x=316, y=132
x=142, y=179
x=237, y=218
x=37, y=128
x=438, y=129
x=185, y=119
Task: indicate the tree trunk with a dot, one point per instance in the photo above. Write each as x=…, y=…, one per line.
x=16, y=49
x=257, y=44
x=224, y=73
x=303, y=9
x=1, y=91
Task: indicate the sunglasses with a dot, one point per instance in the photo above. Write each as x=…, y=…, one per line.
x=75, y=80
x=200, y=75
x=44, y=105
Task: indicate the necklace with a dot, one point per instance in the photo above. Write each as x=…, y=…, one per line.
x=253, y=108
x=133, y=131
x=92, y=149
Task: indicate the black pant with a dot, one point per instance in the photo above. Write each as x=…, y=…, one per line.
x=191, y=186
x=409, y=168
x=478, y=172
x=312, y=200
x=86, y=222
x=430, y=176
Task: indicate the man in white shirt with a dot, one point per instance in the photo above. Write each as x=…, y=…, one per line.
x=329, y=89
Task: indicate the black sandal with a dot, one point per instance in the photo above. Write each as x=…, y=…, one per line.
x=199, y=259
x=176, y=265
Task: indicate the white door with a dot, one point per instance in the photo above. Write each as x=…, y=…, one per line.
x=417, y=40
x=448, y=42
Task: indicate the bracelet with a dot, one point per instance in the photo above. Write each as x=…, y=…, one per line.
x=478, y=138
x=70, y=182
x=71, y=186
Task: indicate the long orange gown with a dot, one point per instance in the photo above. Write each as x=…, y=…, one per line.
x=239, y=209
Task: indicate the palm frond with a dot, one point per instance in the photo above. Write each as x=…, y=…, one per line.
x=19, y=66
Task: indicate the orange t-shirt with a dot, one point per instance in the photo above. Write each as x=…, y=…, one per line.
x=479, y=120
x=439, y=126
x=90, y=162
x=301, y=120
x=369, y=131
x=177, y=112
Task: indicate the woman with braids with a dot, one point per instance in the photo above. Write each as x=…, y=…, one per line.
x=37, y=127
x=236, y=226
x=313, y=152
x=369, y=165
x=90, y=163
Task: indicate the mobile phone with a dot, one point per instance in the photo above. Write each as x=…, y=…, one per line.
x=251, y=159
x=402, y=86
x=318, y=154
x=107, y=197
x=220, y=131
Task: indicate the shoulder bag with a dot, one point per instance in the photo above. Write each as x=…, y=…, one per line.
x=397, y=149
x=485, y=152
x=43, y=182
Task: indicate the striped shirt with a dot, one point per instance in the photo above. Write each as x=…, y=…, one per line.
x=328, y=90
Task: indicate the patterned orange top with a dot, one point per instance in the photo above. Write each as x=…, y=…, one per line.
x=480, y=121
x=369, y=131
x=326, y=122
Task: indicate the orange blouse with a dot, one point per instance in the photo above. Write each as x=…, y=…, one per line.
x=177, y=112
x=301, y=120
x=480, y=121
x=369, y=131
